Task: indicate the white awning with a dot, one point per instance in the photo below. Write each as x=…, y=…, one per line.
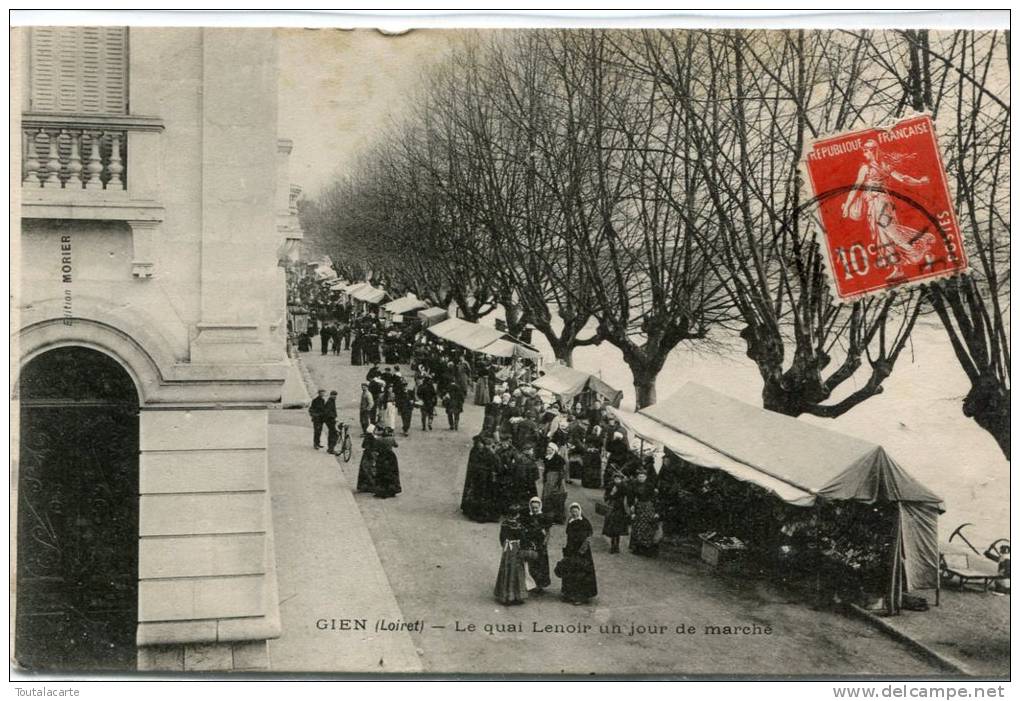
x=408, y=303
x=698, y=453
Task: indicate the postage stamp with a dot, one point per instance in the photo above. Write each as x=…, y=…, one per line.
x=885, y=209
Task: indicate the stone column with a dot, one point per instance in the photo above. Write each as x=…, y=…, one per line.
x=239, y=183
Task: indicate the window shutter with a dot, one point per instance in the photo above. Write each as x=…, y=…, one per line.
x=68, y=51
x=43, y=65
x=79, y=69
x=115, y=64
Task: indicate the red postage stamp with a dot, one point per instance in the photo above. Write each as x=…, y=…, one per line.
x=885, y=208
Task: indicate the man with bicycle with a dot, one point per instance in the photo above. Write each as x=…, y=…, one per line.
x=329, y=416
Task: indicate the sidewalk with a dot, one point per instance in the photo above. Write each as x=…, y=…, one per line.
x=327, y=565
x=969, y=630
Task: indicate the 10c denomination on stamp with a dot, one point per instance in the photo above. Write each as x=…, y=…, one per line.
x=885, y=208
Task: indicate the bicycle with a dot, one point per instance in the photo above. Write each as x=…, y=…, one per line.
x=344, y=443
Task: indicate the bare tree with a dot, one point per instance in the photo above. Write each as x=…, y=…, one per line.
x=962, y=78
x=747, y=108
x=653, y=286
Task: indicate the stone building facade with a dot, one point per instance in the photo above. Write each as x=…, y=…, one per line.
x=148, y=330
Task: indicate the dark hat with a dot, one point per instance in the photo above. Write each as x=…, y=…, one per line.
x=333, y=393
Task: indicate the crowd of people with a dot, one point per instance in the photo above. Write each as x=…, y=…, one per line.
x=521, y=463
x=525, y=442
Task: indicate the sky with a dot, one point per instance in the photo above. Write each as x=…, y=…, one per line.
x=339, y=88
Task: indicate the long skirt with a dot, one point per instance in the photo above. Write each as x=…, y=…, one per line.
x=578, y=574
x=642, y=534
x=538, y=569
x=366, y=473
x=591, y=476
x=476, y=500
x=617, y=521
x=482, y=397
x=511, y=580
x=554, y=497
x=575, y=464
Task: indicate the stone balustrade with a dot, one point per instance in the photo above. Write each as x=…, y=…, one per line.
x=71, y=157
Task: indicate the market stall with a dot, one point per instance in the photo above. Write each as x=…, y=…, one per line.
x=432, y=316
x=567, y=384
x=369, y=294
x=829, y=474
x=403, y=306
x=483, y=339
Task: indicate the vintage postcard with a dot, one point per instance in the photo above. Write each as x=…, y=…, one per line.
x=675, y=351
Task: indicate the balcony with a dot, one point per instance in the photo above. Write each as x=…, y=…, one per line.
x=95, y=167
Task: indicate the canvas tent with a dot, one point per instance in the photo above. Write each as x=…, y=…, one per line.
x=349, y=288
x=324, y=269
x=566, y=383
x=369, y=294
x=482, y=339
x=504, y=348
x=432, y=316
x=798, y=462
x=404, y=305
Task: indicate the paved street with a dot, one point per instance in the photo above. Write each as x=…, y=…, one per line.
x=442, y=568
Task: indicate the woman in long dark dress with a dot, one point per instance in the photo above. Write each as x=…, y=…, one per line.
x=554, y=491
x=618, y=518
x=525, y=477
x=577, y=569
x=358, y=350
x=511, y=580
x=476, y=499
x=366, y=469
x=387, y=470
x=535, y=544
x=645, y=520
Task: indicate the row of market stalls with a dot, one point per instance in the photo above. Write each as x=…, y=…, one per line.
x=483, y=339
x=569, y=386
x=795, y=472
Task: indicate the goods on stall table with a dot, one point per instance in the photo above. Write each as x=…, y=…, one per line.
x=718, y=549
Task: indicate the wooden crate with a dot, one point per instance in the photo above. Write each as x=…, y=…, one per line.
x=717, y=555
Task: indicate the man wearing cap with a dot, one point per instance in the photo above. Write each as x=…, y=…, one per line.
x=317, y=411
x=366, y=407
x=330, y=417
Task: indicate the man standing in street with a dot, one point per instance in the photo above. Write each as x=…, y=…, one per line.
x=318, y=413
x=324, y=337
x=330, y=416
x=366, y=407
x=454, y=403
x=427, y=396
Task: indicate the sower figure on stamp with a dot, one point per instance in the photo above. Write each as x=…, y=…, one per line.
x=317, y=411
x=896, y=243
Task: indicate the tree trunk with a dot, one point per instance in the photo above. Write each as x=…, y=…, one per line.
x=516, y=321
x=987, y=403
x=644, y=386
x=562, y=348
x=775, y=398
x=565, y=355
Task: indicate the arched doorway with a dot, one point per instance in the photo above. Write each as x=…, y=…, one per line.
x=77, y=577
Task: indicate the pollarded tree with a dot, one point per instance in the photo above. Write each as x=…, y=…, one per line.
x=748, y=108
x=653, y=286
x=963, y=79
